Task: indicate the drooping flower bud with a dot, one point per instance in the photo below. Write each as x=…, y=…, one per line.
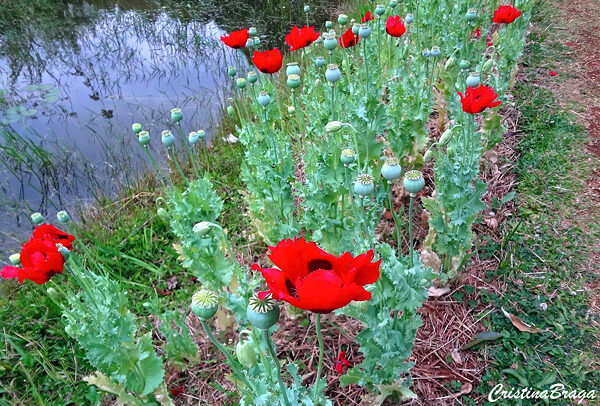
x=167, y=138
x=473, y=80
x=446, y=137
x=291, y=109
x=202, y=228
x=428, y=155
x=245, y=350
x=333, y=126
x=347, y=156
x=204, y=304
x=15, y=259
x=136, y=127
x=52, y=293
x=342, y=19
x=413, y=181
x=364, y=31
x=332, y=74
x=293, y=81
x=262, y=313
x=162, y=213
x=176, y=115
x=391, y=169
x=230, y=111
x=144, y=138
x=464, y=65
x=63, y=216
x=487, y=66
x=264, y=99
x=364, y=184
x=37, y=218
x=292, y=69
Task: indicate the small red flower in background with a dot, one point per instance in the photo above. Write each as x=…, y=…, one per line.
x=340, y=362
x=553, y=74
x=506, y=14
x=490, y=43
x=268, y=61
x=478, y=99
x=368, y=17
x=40, y=260
x=301, y=37
x=348, y=39
x=176, y=390
x=311, y=279
x=477, y=32
x=236, y=39
x=394, y=26
x=49, y=232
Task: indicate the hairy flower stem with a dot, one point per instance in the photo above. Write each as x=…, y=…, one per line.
x=230, y=360
x=174, y=158
x=278, y=366
x=189, y=149
x=320, y=365
x=263, y=359
x=159, y=174
x=410, y=228
x=366, y=63
x=363, y=216
x=394, y=215
x=299, y=114
x=379, y=43
x=332, y=101
x=352, y=202
x=206, y=155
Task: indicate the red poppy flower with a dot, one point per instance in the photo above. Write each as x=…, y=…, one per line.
x=506, y=14
x=40, y=259
x=348, y=39
x=394, y=26
x=553, y=74
x=368, y=17
x=301, y=37
x=477, y=99
x=268, y=61
x=176, y=390
x=490, y=43
x=340, y=362
x=236, y=39
x=49, y=232
x=306, y=272
x=477, y=32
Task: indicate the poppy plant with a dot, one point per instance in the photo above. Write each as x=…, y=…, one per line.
x=478, y=99
x=506, y=14
x=268, y=61
x=348, y=39
x=306, y=271
x=368, y=17
x=394, y=26
x=49, y=232
x=40, y=260
x=476, y=33
x=236, y=39
x=299, y=38
x=340, y=362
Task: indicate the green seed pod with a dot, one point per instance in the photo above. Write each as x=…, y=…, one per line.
x=291, y=109
x=306, y=8
x=231, y=71
x=136, y=127
x=342, y=19
x=364, y=184
x=176, y=115
x=204, y=304
x=144, y=138
x=37, y=218
x=328, y=24
x=348, y=156
x=293, y=81
x=380, y=10
x=413, y=181
x=391, y=169
x=230, y=111
x=464, y=65
x=245, y=350
x=471, y=14
x=252, y=31
x=63, y=216
x=252, y=77
x=15, y=259
x=64, y=251
x=262, y=313
x=241, y=83
x=292, y=69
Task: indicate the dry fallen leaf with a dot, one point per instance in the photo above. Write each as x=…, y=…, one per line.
x=456, y=356
x=432, y=291
x=519, y=324
x=430, y=258
x=464, y=389
x=492, y=222
x=172, y=282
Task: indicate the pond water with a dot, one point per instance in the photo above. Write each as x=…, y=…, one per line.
x=74, y=76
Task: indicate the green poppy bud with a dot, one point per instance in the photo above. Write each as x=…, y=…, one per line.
x=231, y=71
x=167, y=138
x=15, y=259
x=328, y=24
x=364, y=184
x=487, y=66
x=471, y=14
x=230, y=111
x=52, y=293
x=176, y=115
x=292, y=69
x=245, y=350
x=364, y=31
x=446, y=137
x=473, y=79
x=291, y=109
x=162, y=213
x=347, y=156
x=62, y=216
x=144, y=138
x=262, y=313
x=333, y=126
x=136, y=127
x=204, y=304
x=380, y=10
x=450, y=152
x=241, y=83
x=202, y=228
x=252, y=31
x=464, y=65
x=450, y=63
x=264, y=99
x=37, y=218
x=342, y=19
x=391, y=169
x=293, y=81
x=428, y=155
x=413, y=181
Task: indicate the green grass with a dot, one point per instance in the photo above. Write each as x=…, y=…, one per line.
x=546, y=259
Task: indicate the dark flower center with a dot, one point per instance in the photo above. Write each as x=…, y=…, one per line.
x=291, y=288
x=316, y=264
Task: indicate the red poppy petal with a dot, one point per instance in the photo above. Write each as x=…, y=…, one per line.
x=276, y=282
x=10, y=272
x=294, y=257
x=311, y=292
